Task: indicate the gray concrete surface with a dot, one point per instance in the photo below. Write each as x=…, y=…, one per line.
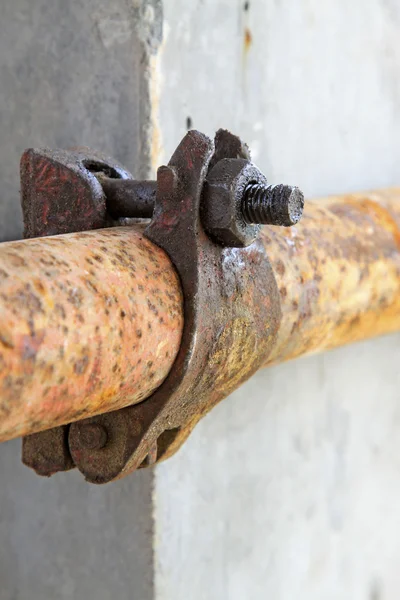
x=73, y=73
x=63, y=539
x=290, y=488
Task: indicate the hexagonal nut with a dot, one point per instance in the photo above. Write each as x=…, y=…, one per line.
x=222, y=200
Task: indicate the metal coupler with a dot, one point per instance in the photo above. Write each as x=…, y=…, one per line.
x=206, y=208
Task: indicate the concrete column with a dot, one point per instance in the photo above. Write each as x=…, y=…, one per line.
x=73, y=73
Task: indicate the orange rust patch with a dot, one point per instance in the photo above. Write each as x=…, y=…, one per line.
x=39, y=286
x=380, y=215
x=248, y=39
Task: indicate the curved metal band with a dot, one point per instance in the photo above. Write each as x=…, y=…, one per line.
x=232, y=315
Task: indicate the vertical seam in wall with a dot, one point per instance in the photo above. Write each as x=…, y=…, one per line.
x=148, y=23
x=155, y=134
x=154, y=534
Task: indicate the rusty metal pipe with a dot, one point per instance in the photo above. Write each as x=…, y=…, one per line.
x=89, y=322
x=92, y=322
x=338, y=273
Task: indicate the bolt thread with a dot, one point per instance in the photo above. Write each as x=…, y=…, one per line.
x=272, y=205
x=256, y=205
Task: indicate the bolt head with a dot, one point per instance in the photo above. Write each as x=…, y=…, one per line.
x=222, y=200
x=92, y=436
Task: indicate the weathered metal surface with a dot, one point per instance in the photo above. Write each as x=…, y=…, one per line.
x=236, y=199
x=47, y=452
x=231, y=312
x=338, y=273
x=272, y=204
x=60, y=192
x=224, y=193
x=129, y=199
x=89, y=322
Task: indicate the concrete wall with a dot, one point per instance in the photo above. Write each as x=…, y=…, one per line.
x=291, y=488
x=73, y=73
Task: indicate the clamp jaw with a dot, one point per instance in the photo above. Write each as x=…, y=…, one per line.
x=207, y=207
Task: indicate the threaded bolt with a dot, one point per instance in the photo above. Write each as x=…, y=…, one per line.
x=272, y=205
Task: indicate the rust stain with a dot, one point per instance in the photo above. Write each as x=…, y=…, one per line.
x=248, y=40
x=379, y=214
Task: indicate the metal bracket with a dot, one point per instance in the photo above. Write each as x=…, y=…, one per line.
x=231, y=301
x=224, y=326
x=60, y=193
